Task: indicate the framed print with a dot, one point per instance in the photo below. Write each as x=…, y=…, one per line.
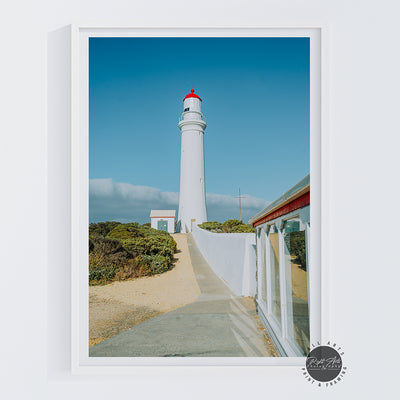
x=196, y=234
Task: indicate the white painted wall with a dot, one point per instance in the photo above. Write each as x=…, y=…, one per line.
x=232, y=256
x=171, y=223
x=193, y=103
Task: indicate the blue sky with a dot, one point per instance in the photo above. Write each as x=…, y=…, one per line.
x=255, y=94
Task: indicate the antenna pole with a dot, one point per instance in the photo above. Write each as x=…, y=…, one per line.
x=240, y=205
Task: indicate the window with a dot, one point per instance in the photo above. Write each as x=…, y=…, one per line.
x=186, y=109
x=273, y=242
x=298, y=326
x=264, y=268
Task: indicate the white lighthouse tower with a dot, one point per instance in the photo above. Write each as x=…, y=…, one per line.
x=192, y=196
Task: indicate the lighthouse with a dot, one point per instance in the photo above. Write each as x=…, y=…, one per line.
x=192, y=196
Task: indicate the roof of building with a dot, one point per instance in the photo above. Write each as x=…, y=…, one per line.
x=192, y=94
x=293, y=193
x=162, y=214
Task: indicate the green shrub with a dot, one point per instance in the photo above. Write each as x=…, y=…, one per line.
x=126, y=231
x=105, y=259
x=128, y=251
x=157, y=263
x=243, y=228
x=162, y=237
x=230, y=226
x=150, y=245
x=212, y=226
x=101, y=275
x=105, y=245
x=134, y=268
x=140, y=245
x=109, y=251
x=102, y=228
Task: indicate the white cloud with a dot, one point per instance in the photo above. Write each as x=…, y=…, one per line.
x=110, y=201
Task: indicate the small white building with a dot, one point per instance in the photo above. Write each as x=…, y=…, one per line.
x=164, y=220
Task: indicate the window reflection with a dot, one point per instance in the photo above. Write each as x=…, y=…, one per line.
x=264, y=270
x=296, y=283
x=274, y=271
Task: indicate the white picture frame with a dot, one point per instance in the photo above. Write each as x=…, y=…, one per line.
x=80, y=360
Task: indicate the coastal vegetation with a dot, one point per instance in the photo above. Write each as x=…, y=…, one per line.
x=120, y=251
x=229, y=226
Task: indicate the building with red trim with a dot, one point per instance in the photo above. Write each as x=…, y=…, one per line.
x=163, y=220
x=282, y=270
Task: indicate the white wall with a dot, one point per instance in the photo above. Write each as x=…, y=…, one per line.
x=361, y=112
x=171, y=223
x=232, y=256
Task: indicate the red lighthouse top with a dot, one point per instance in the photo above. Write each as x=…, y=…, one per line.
x=192, y=94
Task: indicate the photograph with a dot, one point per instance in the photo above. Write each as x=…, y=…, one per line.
x=199, y=229
x=199, y=199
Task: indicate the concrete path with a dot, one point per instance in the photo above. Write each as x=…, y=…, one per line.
x=217, y=324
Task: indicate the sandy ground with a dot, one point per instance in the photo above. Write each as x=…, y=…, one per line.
x=119, y=306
